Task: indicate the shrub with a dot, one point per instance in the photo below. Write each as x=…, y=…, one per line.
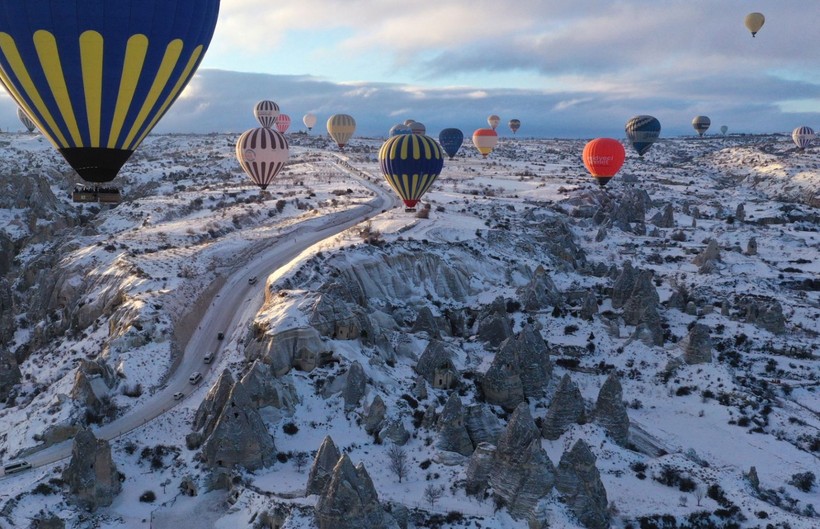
x=290, y=428
x=148, y=496
x=803, y=481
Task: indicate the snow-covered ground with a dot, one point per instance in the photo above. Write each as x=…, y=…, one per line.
x=190, y=221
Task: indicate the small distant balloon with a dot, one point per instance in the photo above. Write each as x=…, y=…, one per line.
x=803, y=136
x=341, y=128
x=451, y=140
x=25, y=120
x=603, y=158
x=309, y=120
x=514, y=125
x=410, y=164
x=642, y=132
x=407, y=122
x=493, y=121
x=418, y=128
x=724, y=129
x=701, y=124
x=485, y=141
x=283, y=123
x=266, y=112
x=262, y=153
x=754, y=21
x=399, y=128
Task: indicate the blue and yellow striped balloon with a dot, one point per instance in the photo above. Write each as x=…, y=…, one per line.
x=97, y=75
x=410, y=164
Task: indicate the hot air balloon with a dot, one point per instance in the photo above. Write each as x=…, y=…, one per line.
x=493, y=121
x=283, y=123
x=309, y=120
x=485, y=141
x=603, y=158
x=410, y=164
x=803, y=136
x=701, y=124
x=642, y=132
x=341, y=128
x=514, y=125
x=96, y=76
x=407, y=122
x=451, y=140
x=25, y=120
x=262, y=152
x=418, y=128
x=754, y=21
x=266, y=112
x=724, y=129
x=399, y=128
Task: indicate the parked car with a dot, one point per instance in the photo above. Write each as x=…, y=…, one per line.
x=208, y=358
x=195, y=377
x=18, y=466
x=220, y=336
x=178, y=395
x=252, y=280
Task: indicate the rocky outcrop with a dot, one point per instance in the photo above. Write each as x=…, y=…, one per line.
x=7, y=311
x=707, y=260
x=482, y=424
x=766, y=314
x=436, y=364
x=540, y=294
x=589, y=308
x=627, y=212
x=494, y=328
x=452, y=434
x=521, y=368
x=751, y=246
x=210, y=409
x=697, y=346
x=395, y=432
x=643, y=295
x=350, y=500
x=322, y=468
x=566, y=408
x=428, y=323
x=300, y=348
x=478, y=469
x=93, y=382
x=263, y=389
x=579, y=482
x=355, y=386
x=610, y=411
x=336, y=318
x=664, y=218
x=622, y=288
x=91, y=476
x=374, y=415
x=9, y=373
x=239, y=437
x=521, y=473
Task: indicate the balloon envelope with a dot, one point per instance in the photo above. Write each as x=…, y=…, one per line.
x=514, y=125
x=282, y=123
x=410, y=163
x=701, y=124
x=25, y=120
x=97, y=76
x=603, y=158
x=803, y=136
x=266, y=112
x=418, y=128
x=399, y=128
x=642, y=132
x=754, y=21
x=493, y=121
x=309, y=120
x=409, y=121
x=724, y=129
x=451, y=140
x=341, y=128
x=485, y=141
x=262, y=152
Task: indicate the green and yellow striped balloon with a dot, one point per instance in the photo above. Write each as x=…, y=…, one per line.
x=410, y=164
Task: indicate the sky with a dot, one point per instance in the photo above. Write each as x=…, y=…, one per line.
x=565, y=68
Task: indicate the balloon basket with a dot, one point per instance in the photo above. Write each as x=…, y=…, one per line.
x=103, y=195
x=409, y=210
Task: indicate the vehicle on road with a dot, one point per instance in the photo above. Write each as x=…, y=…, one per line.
x=252, y=280
x=220, y=336
x=17, y=466
x=208, y=358
x=178, y=395
x=195, y=377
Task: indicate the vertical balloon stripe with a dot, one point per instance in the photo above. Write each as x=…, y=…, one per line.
x=169, y=62
x=46, y=46
x=91, y=57
x=135, y=52
x=9, y=49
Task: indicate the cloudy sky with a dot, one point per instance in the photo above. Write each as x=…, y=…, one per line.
x=565, y=68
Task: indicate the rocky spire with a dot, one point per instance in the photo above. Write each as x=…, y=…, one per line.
x=264, y=389
x=9, y=373
x=91, y=475
x=521, y=368
x=350, y=500
x=622, y=288
x=541, y=293
x=566, y=408
x=322, y=468
x=697, y=346
x=579, y=482
x=355, y=386
x=452, y=434
x=210, y=409
x=610, y=411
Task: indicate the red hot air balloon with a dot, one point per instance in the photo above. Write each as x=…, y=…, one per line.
x=603, y=157
x=282, y=123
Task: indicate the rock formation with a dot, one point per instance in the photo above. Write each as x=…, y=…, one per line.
x=300, y=348
x=521, y=368
x=540, y=294
x=664, y=218
x=452, y=434
x=579, y=482
x=478, y=469
x=9, y=373
x=91, y=476
x=766, y=314
x=708, y=258
x=374, y=415
x=7, y=310
x=264, y=389
x=521, y=472
x=355, y=385
x=322, y=468
x=751, y=246
x=350, y=500
x=210, y=409
x=494, y=325
x=610, y=411
x=436, y=365
x=482, y=424
x=622, y=288
x=697, y=346
x=566, y=408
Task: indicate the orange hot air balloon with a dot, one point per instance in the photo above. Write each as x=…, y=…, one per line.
x=603, y=157
x=485, y=141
